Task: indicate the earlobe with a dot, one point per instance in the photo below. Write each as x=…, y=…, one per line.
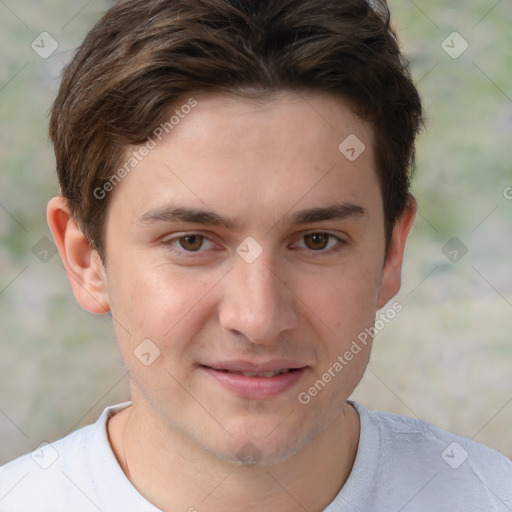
x=82, y=263
x=392, y=271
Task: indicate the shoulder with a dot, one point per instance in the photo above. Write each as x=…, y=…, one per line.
x=412, y=435
x=63, y=475
x=47, y=469
x=445, y=467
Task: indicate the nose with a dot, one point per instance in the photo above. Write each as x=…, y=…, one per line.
x=257, y=302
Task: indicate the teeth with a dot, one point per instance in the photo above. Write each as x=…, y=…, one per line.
x=265, y=374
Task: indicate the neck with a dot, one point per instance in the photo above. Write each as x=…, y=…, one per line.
x=175, y=474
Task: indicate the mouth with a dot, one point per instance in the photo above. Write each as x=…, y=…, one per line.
x=256, y=381
x=264, y=375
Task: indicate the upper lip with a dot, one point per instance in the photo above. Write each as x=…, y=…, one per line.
x=250, y=366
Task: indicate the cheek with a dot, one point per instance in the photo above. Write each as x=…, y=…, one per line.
x=151, y=301
x=345, y=301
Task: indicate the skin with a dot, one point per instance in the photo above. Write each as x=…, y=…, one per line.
x=257, y=164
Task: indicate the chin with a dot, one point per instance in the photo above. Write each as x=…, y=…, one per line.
x=273, y=446
x=250, y=455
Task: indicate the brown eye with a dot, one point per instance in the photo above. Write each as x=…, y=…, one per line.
x=316, y=241
x=191, y=242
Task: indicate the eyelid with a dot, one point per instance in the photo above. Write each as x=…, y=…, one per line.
x=168, y=242
x=340, y=241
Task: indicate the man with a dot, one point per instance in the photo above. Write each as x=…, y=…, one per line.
x=235, y=192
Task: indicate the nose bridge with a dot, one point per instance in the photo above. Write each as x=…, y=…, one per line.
x=260, y=282
x=256, y=302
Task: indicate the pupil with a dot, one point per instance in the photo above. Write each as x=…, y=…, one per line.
x=317, y=241
x=191, y=242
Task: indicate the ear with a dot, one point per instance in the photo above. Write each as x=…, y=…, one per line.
x=82, y=263
x=392, y=271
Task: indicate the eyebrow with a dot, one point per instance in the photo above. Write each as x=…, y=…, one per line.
x=335, y=211
x=205, y=217
x=181, y=214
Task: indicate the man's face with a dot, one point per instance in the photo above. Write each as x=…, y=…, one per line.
x=282, y=269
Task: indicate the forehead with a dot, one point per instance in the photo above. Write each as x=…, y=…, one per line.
x=242, y=156
x=285, y=118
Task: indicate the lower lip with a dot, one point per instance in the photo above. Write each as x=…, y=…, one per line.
x=255, y=387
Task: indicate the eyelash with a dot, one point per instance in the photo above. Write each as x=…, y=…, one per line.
x=340, y=243
x=168, y=244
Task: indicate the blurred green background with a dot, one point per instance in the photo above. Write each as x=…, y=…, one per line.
x=446, y=358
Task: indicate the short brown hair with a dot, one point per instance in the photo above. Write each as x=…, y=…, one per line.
x=143, y=55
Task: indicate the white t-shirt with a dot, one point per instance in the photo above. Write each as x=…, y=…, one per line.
x=402, y=465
